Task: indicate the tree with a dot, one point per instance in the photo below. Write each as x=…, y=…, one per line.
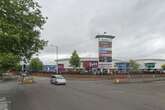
x=36, y=64
x=8, y=61
x=134, y=66
x=163, y=66
x=75, y=60
x=18, y=67
x=20, y=24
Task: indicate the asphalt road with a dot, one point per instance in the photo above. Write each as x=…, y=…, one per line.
x=8, y=89
x=90, y=95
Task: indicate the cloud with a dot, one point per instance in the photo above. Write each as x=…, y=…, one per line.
x=137, y=24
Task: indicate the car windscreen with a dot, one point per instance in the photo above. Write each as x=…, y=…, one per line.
x=59, y=77
x=53, y=77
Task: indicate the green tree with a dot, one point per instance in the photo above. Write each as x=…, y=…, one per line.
x=20, y=24
x=18, y=67
x=163, y=66
x=134, y=66
x=8, y=61
x=75, y=60
x=36, y=64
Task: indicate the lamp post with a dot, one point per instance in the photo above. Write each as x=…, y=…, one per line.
x=56, y=56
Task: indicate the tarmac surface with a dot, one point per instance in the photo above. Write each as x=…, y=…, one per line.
x=8, y=89
x=86, y=95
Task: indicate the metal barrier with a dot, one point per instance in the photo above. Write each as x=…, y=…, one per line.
x=25, y=80
x=137, y=78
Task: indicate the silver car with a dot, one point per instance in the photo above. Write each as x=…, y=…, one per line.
x=57, y=79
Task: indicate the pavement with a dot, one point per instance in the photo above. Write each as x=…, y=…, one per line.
x=7, y=91
x=85, y=95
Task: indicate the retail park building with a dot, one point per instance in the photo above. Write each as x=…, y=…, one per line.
x=105, y=62
x=91, y=64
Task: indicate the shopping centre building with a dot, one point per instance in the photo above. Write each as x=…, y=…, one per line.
x=150, y=64
x=105, y=62
x=91, y=64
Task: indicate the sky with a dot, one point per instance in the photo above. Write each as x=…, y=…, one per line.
x=73, y=24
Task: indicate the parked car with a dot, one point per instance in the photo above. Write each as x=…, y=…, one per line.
x=57, y=79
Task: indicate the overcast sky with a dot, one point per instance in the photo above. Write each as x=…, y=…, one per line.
x=139, y=27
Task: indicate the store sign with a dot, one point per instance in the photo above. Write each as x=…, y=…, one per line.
x=90, y=64
x=105, y=65
x=105, y=51
x=105, y=54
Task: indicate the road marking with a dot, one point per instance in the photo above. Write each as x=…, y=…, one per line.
x=4, y=103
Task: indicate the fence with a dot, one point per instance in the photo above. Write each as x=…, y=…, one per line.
x=138, y=78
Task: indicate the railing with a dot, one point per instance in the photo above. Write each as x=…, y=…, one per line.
x=138, y=78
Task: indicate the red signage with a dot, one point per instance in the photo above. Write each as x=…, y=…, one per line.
x=61, y=67
x=90, y=64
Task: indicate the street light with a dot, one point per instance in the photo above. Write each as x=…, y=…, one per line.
x=56, y=56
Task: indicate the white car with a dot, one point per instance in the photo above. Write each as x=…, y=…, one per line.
x=57, y=79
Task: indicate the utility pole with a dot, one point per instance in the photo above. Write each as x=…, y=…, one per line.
x=56, y=56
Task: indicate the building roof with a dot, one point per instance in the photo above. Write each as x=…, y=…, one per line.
x=150, y=60
x=88, y=59
x=113, y=60
x=105, y=36
x=122, y=62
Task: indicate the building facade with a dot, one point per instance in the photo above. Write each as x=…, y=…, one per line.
x=88, y=64
x=117, y=64
x=150, y=64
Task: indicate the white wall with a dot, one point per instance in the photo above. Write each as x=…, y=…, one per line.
x=158, y=63
x=65, y=62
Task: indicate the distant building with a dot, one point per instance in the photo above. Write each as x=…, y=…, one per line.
x=122, y=67
x=86, y=63
x=150, y=64
x=91, y=64
x=117, y=64
x=49, y=68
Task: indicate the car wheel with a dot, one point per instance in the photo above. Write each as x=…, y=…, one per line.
x=55, y=83
x=51, y=82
